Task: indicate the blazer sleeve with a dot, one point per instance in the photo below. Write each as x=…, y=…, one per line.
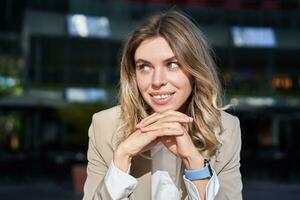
x=230, y=176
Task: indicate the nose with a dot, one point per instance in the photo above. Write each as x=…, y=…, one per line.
x=159, y=77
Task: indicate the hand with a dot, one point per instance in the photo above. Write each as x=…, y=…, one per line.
x=138, y=142
x=180, y=145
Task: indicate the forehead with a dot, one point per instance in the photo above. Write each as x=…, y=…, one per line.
x=153, y=49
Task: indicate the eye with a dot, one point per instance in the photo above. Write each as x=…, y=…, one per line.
x=173, y=65
x=144, y=67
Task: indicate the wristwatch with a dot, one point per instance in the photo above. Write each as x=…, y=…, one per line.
x=200, y=173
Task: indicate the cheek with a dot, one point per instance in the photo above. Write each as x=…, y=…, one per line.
x=181, y=81
x=141, y=83
x=187, y=88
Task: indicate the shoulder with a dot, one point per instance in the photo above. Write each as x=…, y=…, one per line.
x=231, y=127
x=228, y=120
x=107, y=115
x=105, y=124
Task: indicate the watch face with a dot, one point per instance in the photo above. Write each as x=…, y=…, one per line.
x=206, y=163
x=210, y=171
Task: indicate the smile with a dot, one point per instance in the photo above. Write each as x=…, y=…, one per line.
x=161, y=98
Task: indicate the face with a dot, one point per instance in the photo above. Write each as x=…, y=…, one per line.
x=161, y=79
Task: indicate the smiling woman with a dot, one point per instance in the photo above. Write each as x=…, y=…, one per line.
x=171, y=110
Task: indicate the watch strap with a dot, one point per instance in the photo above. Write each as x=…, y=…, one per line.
x=199, y=174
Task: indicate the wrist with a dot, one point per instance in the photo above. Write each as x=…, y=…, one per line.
x=193, y=161
x=121, y=159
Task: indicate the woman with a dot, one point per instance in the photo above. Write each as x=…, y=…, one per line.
x=171, y=111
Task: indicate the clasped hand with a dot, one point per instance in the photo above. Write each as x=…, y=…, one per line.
x=168, y=128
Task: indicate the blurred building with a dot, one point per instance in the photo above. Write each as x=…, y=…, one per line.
x=53, y=53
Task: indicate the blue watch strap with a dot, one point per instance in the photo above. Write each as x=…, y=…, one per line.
x=198, y=174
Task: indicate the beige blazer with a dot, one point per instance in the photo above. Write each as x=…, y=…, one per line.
x=226, y=162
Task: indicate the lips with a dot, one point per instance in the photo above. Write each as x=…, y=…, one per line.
x=162, y=97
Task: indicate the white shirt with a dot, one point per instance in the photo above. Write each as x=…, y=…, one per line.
x=165, y=178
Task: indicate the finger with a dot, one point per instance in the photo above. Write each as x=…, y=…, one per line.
x=150, y=119
x=154, y=118
x=158, y=126
x=139, y=124
x=175, y=112
x=176, y=118
x=163, y=132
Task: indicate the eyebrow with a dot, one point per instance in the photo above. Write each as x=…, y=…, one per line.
x=165, y=61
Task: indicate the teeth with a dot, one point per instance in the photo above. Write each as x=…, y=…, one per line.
x=161, y=96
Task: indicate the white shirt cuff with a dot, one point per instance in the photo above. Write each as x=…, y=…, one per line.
x=118, y=183
x=212, y=188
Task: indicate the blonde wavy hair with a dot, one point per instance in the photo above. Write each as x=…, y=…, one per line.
x=194, y=54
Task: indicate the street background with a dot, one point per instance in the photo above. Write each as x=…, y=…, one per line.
x=59, y=64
